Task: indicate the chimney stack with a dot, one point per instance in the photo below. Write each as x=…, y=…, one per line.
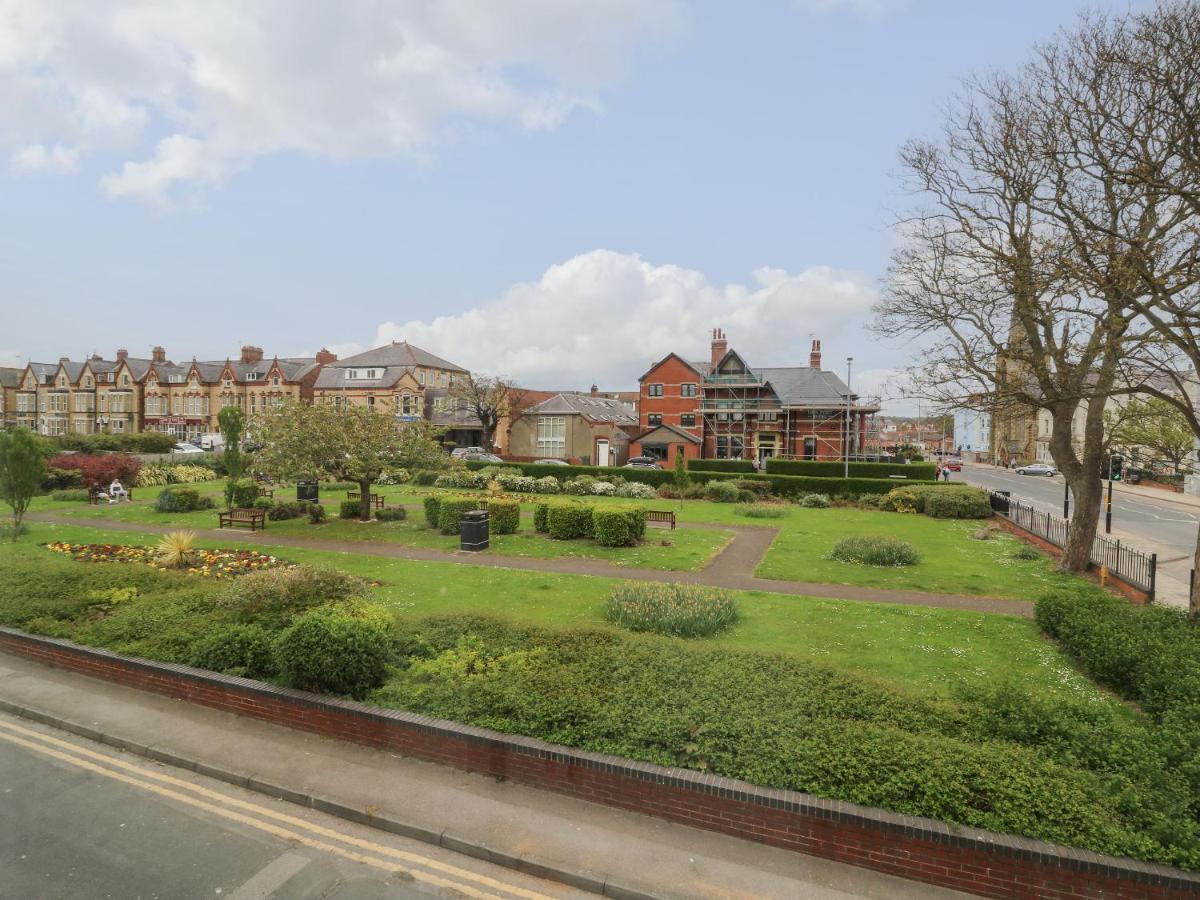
x=64, y=359
x=595, y=391
x=814, y=358
x=719, y=346
x=158, y=355
x=251, y=354
x=122, y=354
x=325, y=357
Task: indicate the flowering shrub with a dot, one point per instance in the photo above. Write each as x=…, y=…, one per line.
x=636, y=490
x=206, y=563
x=604, y=489
x=518, y=483
x=162, y=473
x=682, y=610
x=876, y=551
x=579, y=485
x=814, y=501
x=721, y=492
x=395, y=476
x=548, y=484
x=462, y=478
x=99, y=471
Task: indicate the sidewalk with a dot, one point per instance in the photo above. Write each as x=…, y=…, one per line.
x=1124, y=487
x=594, y=847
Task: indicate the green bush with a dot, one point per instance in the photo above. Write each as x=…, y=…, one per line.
x=680, y=610
x=721, y=492
x=504, y=516
x=424, y=477
x=263, y=503
x=339, y=485
x=834, y=469
x=759, y=488
x=541, y=517
x=391, y=514
x=349, y=509
x=869, y=550
x=245, y=492
x=181, y=499
x=814, y=501
x=612, y=527
x=75, y=496
x=315, y=512
x=961, y=504
x=1024, y=551
x=451, y=511
x=568, y=521
x=720, y=465
x=332, y=652
x=275, y=596
x=57, y=479
x=761, y=510
x=287, y=509
x=433, y=513
x=243, y=650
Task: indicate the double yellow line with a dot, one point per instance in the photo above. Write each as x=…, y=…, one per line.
x=289, y=828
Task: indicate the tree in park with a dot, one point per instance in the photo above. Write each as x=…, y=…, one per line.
x=1156, y=426
x=682, y=478
x=343, y=443
x=490, y=398
x=22, y=468
x=232, y=422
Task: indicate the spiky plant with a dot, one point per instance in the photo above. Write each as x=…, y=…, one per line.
x=175, y=549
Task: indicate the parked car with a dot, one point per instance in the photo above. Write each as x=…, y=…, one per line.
x=954, y=465
x=551, y=462
x=181, y=447
x=642, y=462
x=1038, y=469
x=480, y=456
x=214, y=440
x=463, y=452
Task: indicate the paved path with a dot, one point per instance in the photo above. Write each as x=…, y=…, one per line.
x=732, y=568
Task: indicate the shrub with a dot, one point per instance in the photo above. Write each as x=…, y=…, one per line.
x=580, y=485
x=315, y=512
x=463, y=478
x=875, y=551
x=761, y=511
x=1024, y=551
x=681, y=610
x=99, y=471
x=604, y=489
x=181, y=499
x=814, y=501
x=288, y=509
x=264, y=503
x=242, y=650
x=432, y=511
x=959, y=504
x=720, y=465
x=541, y=517
x=567, y=521
x=832, y=469
x=636, y=490
x=424, y=477
x=721, y=492
x=55, y=479
x=901, y=500
x=277, y=595
x=504, y=516
x=670, y=491
x=611, y=528
x=339, y=485
x=761, y=488
x=244, y=493
x=349, y=509
x=391, y=514
x=451, y=510
x=548, y=484
x=175, y=549
x=163, y=473
x=75, y=496
x=328, y=651
x=394, y=476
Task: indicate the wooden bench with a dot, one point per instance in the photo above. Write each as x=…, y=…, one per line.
x=253, y=519
x=266, y=492
x=94, y=495
x=375, y=500
x=483, y=504
x=663, y=517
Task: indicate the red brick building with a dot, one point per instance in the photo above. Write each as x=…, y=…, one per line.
x=725, y=409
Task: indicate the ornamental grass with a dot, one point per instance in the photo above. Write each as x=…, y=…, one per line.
x=680, y=610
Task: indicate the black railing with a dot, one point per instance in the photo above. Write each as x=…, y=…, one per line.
x=1131, y=566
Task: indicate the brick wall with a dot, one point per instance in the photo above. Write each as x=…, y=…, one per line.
x=985, y=863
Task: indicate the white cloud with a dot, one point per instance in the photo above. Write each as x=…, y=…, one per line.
x=213, y=86
x=603, y=317
x=58, y=160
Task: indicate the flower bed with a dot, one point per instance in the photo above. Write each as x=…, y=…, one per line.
x=207, y=563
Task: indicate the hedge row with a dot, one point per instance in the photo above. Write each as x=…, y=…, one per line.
x=834, y=469
x=610, y=526
x=136, y=442
x=720, y=465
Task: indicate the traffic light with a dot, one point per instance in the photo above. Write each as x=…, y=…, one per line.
x=1116, y=467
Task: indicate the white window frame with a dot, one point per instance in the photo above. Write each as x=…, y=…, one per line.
x=552, y=436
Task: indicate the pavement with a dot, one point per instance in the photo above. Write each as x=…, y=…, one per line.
x=1145, y=518
x=733, y=567
x=113, y=792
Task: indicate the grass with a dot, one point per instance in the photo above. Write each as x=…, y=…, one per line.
x=921, y=649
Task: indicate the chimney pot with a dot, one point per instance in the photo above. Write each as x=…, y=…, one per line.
x=595, y=391
x=122, y=354
x=814, y=358
x=159, y=355
x=719, y=346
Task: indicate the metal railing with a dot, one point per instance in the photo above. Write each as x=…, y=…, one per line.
x=1131, y=566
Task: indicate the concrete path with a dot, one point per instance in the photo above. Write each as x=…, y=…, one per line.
x=733, y=567
x=593, y=847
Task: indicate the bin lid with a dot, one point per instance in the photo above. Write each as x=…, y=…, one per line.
x=476, y=515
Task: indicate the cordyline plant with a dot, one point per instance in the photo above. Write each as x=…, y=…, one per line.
x=343, y=443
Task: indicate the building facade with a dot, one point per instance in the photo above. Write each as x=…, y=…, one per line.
x=735, y=411
x=587, y=429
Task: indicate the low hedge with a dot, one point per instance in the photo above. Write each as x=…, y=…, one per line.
x=618, y=526
x=79, y=495
x=504, y=516
x=568, y=521
x=433, y=507
x=391, y=514
x=541, y=517
x=181, y=499
x=720, y=465
x=349, y=509
x=814, y=468
x=961, y=504
x=451, y=510
x=287, y=509
x=331, y=651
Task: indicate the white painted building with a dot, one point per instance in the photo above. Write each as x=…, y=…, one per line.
x=972, y=433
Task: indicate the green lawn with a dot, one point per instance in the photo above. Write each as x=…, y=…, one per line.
x=913, y=648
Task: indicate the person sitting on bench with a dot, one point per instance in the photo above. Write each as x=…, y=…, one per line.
x=117, y=492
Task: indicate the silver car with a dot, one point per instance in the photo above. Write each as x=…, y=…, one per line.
x=1038, y=469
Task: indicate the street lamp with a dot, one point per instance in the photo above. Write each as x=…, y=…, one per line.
x=849, y=363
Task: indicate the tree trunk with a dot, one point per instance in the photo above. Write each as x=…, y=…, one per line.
x=364, y=502
x=1083, y=477
x=1194, y=599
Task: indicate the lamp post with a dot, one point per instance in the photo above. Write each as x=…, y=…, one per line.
x=849, y=363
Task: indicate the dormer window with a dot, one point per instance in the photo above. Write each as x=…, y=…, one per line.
x=227, y=383
x=252, y=376
x=352, y=374
x=175, y=379
x=87, y=382
x=275, y=381
x=371, y=373
x=62, y=382
x=421, y=376
x=125, y=380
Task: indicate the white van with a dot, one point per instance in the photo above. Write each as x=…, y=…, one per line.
x=212, y=441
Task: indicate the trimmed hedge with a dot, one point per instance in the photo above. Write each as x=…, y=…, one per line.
x=391, y=514
x=541, y=517
x=618, y=526
x=567, y=521
x=433, y=506
x=814, y=468
x=720, y=465
x=451, y=510
x=332, y=651
x=349, y=509
x=969, y=504
x=504, y=516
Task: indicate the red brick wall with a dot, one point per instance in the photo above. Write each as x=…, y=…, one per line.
x=671, y=373
x=985, y=863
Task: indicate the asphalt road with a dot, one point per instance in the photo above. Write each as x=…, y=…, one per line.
x=81, y=820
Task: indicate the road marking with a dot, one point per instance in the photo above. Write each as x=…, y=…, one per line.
x=265, y=812
x=270, y=878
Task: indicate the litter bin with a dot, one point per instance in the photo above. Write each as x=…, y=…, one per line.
x=308, y=491
x=473, y=530
x=1000, y=501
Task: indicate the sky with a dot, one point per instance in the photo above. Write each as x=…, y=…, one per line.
x=557, y=191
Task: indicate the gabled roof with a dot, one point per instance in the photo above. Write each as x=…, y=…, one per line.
x=594, y=409
x=10, y=377
x=670, y=432
x=397, y=353
x=690, y=365
x=804, y=386
x=43, y=372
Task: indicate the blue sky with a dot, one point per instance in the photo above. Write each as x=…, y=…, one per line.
x=737, y=160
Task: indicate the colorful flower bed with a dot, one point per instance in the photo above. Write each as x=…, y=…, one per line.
x=206, y=563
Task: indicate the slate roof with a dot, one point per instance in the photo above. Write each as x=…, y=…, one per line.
x=672, y=432
x=10, y=377
x=333, y=377
x=595, y=409
x=44, y=372
x=293, y=367
x=804, y=386
x=397, y=353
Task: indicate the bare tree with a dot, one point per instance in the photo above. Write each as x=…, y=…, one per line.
x=490, y=398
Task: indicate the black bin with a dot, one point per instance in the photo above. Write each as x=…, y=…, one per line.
x=473, y=530
x=308, y=491
x=1000, y=501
